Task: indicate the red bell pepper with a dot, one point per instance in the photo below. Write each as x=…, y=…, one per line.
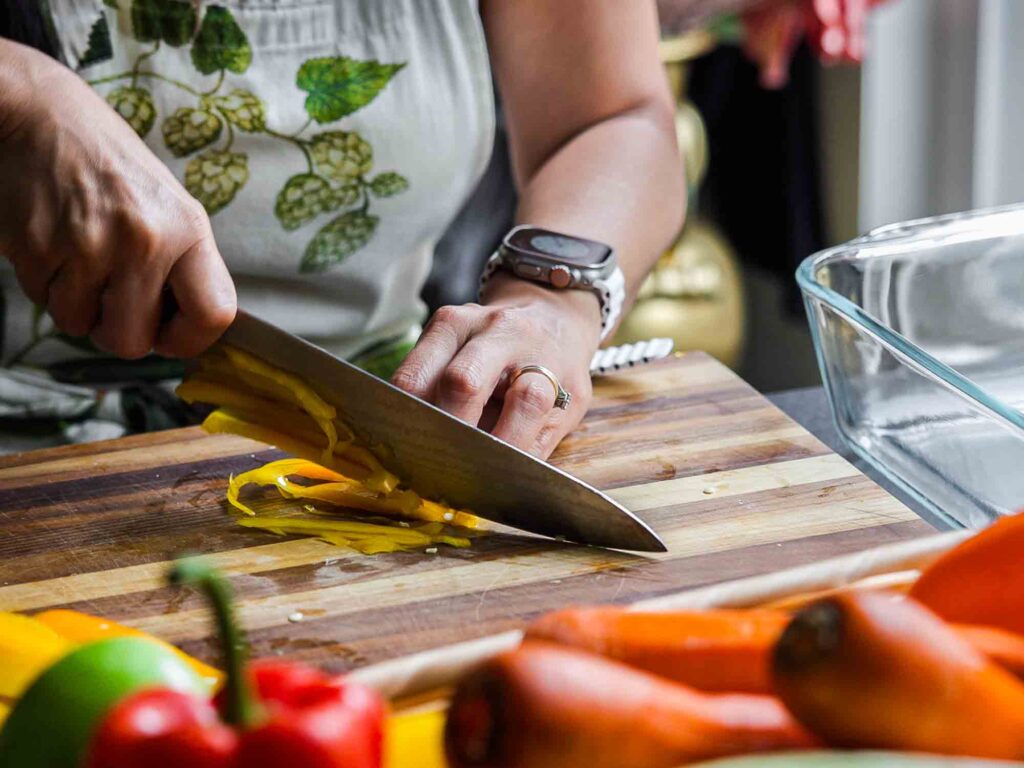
x=273, y=714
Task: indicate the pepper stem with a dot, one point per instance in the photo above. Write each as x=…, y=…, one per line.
x=241, y=708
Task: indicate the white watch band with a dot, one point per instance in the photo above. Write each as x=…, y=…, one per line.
x=612, y=296
x=610, y=292
x=612, y=359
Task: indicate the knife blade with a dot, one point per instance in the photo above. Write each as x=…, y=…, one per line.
x=444, y=458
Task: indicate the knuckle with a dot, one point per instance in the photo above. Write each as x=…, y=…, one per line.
x=535, y=398
x=461, y=381
x=141, y=238
x=88, y=240
x=120, y=344
x=215, y=318
x=197, y=220
x=503, y=319
x=131, y=349
x=412, y=379
x=447, y=315
x=73, y=322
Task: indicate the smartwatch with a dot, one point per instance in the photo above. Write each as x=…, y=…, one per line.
x=561, y=262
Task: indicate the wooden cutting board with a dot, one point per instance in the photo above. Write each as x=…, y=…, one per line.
x=733, y=486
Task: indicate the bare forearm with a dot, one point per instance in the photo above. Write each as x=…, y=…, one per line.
x=619, y=182
x=23, y=72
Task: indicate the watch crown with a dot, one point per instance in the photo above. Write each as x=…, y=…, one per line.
x=560, y=276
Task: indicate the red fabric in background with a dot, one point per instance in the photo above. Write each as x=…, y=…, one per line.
x=834, y=29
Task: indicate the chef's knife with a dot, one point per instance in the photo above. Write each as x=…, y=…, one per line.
x=444, y=458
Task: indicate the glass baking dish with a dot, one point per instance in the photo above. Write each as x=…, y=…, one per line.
x=919, y=333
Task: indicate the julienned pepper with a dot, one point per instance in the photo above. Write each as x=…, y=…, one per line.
x=272, y=714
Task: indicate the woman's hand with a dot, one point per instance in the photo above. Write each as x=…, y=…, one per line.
x=466, y=356
x=95, y=225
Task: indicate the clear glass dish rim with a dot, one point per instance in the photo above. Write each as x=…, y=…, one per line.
x=893, y=341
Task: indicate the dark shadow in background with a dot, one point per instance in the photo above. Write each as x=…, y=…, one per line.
x=764, y=185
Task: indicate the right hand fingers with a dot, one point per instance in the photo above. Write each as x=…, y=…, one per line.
x=95, y=225
x=206, y=302
x=73, y=296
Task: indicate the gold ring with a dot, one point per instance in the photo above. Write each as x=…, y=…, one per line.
x=562, y=397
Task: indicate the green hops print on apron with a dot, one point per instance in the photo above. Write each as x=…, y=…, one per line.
x=338, y=163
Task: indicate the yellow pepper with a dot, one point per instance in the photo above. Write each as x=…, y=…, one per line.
x=352, y=461
x=221, y=421
x=415, y=740
x=341, y=491
x=30, y=644
x=250, y=367
x=80, y=628
x=259, y=401
x=27, y=647
x=368, y=538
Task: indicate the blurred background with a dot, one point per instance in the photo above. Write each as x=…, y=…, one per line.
x=803, y=123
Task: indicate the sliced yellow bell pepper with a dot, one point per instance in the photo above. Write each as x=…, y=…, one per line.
x=27, y=647
x=224, y=422
x=415, y=740
x=80, y=628
x=250, y=367
x=343, y=492
x=259, y=401
x=368, y=538
x=201, y=388
x=352, y=461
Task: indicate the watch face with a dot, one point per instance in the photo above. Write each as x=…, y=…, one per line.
x=558, y=248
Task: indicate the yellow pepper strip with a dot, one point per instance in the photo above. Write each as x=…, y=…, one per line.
x=27, y=647
x=275, y=473
x=431, y=510
x=216, y=366
x=5, y=710
x=78, y=628
x=303, y=394
x=341, y=492
x=308, y=400
x=273, y=429
x=368, y=538
x=204, y=388
x=347, y=495
x=221, y=421
x=379, y=478
x=415, y=740
x=302, y=427
x=200, y=388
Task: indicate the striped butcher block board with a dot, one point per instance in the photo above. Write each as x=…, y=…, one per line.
x=734, y=487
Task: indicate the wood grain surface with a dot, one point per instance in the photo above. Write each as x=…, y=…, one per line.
x=733, y=486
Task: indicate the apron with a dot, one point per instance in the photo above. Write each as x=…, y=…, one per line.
x=331, y=142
